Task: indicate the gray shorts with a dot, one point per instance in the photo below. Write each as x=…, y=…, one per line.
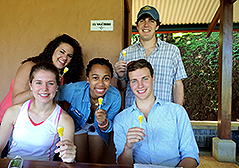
x=88, y=128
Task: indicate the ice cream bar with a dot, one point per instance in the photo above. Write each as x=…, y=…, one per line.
x=60, y=131
x=140, y=119
x=65, y=70
x=100, y=100
x=124, y=53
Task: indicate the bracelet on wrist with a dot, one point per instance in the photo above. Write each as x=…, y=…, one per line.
x=102, y=122
x=102, y=126
x=121, y=79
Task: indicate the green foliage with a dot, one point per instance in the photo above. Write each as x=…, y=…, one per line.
x=200, y=56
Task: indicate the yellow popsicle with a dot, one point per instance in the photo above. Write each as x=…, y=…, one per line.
x=60, y=131
x=100, y=100
x=124, y=53
x=65, y=70
x=141, y=119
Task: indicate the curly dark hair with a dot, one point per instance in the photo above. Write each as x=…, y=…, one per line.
x=101, y=61
x=76, y=65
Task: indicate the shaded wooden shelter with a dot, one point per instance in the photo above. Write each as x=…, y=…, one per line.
x=209, y=16
x=185, y=15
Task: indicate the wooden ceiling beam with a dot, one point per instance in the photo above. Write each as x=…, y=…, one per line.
x=213, y=22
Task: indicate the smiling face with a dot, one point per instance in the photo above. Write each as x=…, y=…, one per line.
x=141, y=83
x=62, y=55
x=44, y=86
x=99, y=79
x=147, y=28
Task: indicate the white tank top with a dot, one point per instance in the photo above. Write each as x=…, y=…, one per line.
x=35, y=142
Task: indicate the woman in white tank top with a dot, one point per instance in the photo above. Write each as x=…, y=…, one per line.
x=33, y=125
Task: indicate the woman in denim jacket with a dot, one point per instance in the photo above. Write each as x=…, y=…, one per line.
x=93, y=121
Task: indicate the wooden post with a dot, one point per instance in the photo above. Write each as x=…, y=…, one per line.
x=225, y=70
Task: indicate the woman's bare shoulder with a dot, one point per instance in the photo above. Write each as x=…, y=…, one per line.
x=65, y=116
x=26, y=66
x=12, y=112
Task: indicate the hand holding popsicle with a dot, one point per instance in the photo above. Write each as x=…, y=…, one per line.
x=140, y=119
x=120, y=68
x=100, y=113
x=101, y=116
x=134, y=135
x=66, y=150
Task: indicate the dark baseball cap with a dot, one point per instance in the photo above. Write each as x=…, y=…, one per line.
x=148, y=10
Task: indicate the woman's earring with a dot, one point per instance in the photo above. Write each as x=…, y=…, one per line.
x=30, y=88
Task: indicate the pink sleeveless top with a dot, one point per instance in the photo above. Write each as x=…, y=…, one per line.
x=7, y=101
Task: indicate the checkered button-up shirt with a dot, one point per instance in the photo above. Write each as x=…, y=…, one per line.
x=167, y=64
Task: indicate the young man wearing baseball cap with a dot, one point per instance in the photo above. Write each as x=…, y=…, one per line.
x=164, y=57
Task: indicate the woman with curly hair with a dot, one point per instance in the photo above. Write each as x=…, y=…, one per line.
x=63, y=51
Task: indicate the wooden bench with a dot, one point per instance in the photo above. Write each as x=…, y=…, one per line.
x=212, y=125
x=204, y=131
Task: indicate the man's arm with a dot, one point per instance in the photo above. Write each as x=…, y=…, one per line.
x=122, y=84
x=187, y=162
x=188, y=148
x=120, y=68
x=126, y=156
x=134, y=135
x=178, y=92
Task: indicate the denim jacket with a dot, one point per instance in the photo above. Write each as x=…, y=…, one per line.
x=78, y=95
